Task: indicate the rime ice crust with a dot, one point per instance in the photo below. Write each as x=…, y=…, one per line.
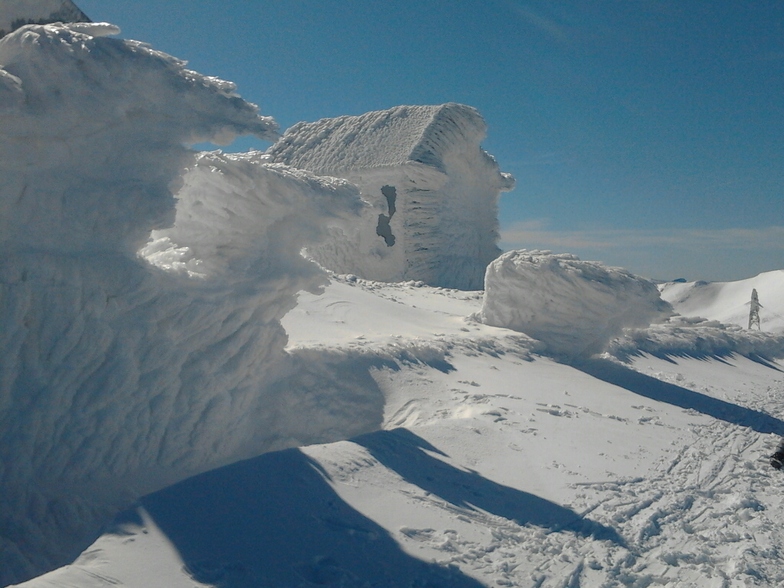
x=91, y=136
x=118, y=375
x=433, y=192
x=17, y=13
x=237, y=213
x=575, y=307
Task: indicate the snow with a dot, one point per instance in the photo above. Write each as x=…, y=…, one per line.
x=123, y=372
x=92, y=136
x=238, y=214
x=433, y=192
x=386, y=138
x=493, y=465
x=186, y=401
x=16, y=13
x=575, y=307
x=728, y=302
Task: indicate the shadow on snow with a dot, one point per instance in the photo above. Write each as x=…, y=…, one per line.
x=275, y=520
x=654, y=389
x=404, y=452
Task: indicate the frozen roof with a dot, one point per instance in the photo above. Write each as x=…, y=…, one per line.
x=383, y=138
x=17, y=13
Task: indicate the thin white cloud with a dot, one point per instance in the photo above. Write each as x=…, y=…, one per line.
x=537, y=233
x=544, y=23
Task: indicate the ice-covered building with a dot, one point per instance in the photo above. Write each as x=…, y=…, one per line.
x=17, y=13
x=433, y=192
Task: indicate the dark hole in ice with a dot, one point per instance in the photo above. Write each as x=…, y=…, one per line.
x=383, y=229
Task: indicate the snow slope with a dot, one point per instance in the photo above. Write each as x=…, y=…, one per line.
x=728, y=302
x=493, y=466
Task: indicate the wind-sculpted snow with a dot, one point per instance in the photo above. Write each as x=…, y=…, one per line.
x=575, y=307
x=120, y=372
x=92, y=131
x=17, y=13
x=237, y=214
x=697, y=337
x=380, y=139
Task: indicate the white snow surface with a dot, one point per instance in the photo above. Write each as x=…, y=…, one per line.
x=493, y=466
x=238, y=215
x=729, y=302
x=92, y=135
x=575, y=307
x=16, y=13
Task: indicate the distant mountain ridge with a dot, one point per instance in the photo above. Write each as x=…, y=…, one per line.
x=17, y=13
x=728, y=302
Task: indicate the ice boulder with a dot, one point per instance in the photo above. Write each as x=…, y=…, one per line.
x=575, y=307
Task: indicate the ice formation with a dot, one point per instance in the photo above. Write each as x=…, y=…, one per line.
x=17, y=13
x=433, y=192
x=121, y=372
x=575, y=307
x=96, y=126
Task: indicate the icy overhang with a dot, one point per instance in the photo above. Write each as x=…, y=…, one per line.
x=17, y=13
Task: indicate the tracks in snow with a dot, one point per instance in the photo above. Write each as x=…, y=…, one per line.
x=711, y=519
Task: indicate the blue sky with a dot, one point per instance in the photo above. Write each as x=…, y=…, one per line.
x=647, y=134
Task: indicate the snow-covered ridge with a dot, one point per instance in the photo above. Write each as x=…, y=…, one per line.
x=17, y=13
x=496, y=467
x=729, y=302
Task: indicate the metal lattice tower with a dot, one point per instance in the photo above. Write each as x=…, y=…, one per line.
x=754, y=317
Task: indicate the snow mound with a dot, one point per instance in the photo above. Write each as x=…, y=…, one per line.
x=121, y=373
x=729, y=302
x=238, y=214
x=433, y=192
x=91, y=136
x=575, y=307
x=17, y=13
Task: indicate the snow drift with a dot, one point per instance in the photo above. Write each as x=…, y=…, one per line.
x=575, y=307
x=122, y=373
